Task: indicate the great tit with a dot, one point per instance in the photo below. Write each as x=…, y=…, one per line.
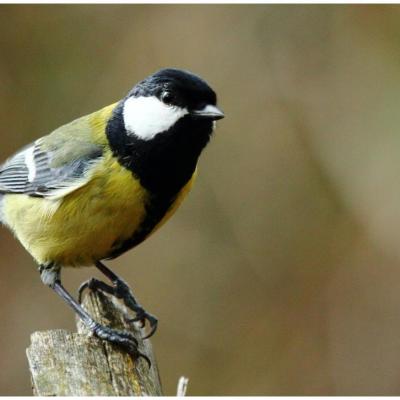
x=100, y=185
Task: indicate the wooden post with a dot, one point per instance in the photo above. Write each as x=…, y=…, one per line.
x=77, y=364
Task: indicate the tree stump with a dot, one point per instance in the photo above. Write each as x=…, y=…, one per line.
x=78, y=364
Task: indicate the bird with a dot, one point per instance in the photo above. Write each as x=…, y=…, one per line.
x=100, y=185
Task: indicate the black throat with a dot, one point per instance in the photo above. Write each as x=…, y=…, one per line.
x=163, y=165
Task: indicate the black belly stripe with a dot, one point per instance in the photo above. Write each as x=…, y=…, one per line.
x=155, y=211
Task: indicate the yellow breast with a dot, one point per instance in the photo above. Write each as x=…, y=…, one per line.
x=83, y=226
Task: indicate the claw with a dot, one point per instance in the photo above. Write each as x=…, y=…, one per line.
x=142, y=317
x=81, y=289
x=147, y=359
x=153, y=327
x=151, y=333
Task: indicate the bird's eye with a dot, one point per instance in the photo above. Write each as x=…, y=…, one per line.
x=167, y=97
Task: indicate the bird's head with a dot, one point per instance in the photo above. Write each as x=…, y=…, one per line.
x=161, y=101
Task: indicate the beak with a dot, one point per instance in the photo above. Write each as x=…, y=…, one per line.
x=209, y=111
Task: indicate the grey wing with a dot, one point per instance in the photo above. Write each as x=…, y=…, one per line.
x=37, y=171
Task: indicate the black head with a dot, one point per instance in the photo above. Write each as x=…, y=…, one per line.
x=163, y=100
x=178, y=88
x=160, y=128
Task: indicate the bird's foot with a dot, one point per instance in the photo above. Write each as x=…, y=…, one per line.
x=125, y=340
x=121, y=290
x=122, y=339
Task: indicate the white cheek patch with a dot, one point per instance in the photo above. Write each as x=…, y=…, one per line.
x=145, y=117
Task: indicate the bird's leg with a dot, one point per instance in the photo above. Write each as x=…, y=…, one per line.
x=50, y=275
x=120, y=290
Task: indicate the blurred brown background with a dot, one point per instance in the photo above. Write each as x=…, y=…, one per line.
x=281, y=272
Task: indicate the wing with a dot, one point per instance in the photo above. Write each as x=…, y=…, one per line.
x=54, y=165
